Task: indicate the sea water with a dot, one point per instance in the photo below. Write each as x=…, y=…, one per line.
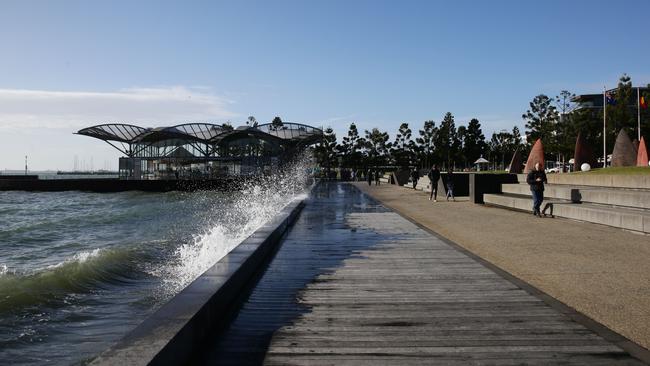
x=79, y=270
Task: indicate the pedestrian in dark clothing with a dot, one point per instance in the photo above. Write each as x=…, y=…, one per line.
x=536, y=179
x=377, y=176
x=434, y=176
x=414, y=177
x=450, y=184
x=369, y=177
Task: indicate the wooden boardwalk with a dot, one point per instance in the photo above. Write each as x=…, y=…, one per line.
x=355, y=283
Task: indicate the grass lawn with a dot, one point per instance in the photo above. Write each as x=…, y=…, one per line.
x=627, y=170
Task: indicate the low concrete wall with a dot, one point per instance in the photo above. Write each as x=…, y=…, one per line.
x=168, y=336
x=480, y=184
x=601, y=180
x=118, y=185
x=400, y=177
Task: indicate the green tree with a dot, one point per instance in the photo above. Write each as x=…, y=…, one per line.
x=426, y=143
x=518, y=141
x=622, y=114
x=541, y=122
x=501, y=147
x=447, y=142
x=326, y=153
x=565, y=131
x=351, y=148
x=251, y=121
x=474, y=144
x=402, y=149
x=377, y=147
x=277, y=123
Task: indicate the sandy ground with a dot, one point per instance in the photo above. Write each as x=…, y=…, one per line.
x=602, y=272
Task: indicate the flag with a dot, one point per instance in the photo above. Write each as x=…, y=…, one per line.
x=642, y=102
x=610, y=98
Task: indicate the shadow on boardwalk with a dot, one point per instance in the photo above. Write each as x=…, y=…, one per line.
x=317, y=244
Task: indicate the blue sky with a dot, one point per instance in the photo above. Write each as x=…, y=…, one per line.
x=70, y=64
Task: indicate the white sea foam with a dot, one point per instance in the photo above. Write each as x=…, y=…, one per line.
x=80, y=257
x=3, y=269
x=247, y=211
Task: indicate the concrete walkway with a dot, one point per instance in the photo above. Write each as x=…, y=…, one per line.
x=356, y=283
x=602, y=272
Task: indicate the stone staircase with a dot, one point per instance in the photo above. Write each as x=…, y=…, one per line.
x=595, y=200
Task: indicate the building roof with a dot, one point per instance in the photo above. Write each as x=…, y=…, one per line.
x=201, y=132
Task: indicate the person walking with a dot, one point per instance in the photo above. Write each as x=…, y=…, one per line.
x=377, y=176
x=414, y=177
x=434, y=177
x=450, y=184
x=369, y=177
x=536, y=179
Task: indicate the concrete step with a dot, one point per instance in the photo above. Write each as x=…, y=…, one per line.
x=621, y=217
x=640, y=181
x=636, y=198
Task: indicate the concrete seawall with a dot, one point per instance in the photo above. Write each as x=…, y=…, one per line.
x=104, y=185
x=168, y=336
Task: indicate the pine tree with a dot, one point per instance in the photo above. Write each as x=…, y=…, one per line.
x=377, y=147
x=351, y=148
x=277, y=123
x=447, y=143
x=402, y=147
x=474, y=144
x=326, y=152
x=541, y=122
x=426, y=143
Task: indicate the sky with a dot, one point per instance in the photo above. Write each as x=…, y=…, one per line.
x=66, y=65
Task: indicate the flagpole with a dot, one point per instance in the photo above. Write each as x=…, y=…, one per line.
x=638, y=112
x=604, y=127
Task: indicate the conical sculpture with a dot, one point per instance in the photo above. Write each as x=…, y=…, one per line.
x=515, y=163
x=642, y=154
x=624, y=154
x=582, y=154
x=536, y=156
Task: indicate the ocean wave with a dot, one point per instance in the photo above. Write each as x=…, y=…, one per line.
x=84, y=272
x=233, y=221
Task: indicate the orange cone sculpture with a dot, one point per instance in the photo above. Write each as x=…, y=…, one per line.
x=624, y=153
x=515, y=163
x=582, y=154
x=536, y=156
x=642, y=154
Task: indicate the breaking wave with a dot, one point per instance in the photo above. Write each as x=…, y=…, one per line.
x=232, y=220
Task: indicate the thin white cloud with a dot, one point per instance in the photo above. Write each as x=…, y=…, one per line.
x=144, y=106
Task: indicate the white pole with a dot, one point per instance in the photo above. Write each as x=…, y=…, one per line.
x=604, y=127
x=638, y=113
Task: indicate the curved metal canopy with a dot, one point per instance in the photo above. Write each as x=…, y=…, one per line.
x=205, y=133
x=119, y=132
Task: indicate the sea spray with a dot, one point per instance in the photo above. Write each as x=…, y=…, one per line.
x=77, y=268
x=234, y=218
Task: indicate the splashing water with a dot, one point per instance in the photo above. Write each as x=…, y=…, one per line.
x=92, y=266
x=232, y=220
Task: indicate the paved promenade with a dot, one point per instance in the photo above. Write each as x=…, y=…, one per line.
x=356, y=283
x=600, y=271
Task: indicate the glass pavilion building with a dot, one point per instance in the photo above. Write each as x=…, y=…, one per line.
x=203, y=150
